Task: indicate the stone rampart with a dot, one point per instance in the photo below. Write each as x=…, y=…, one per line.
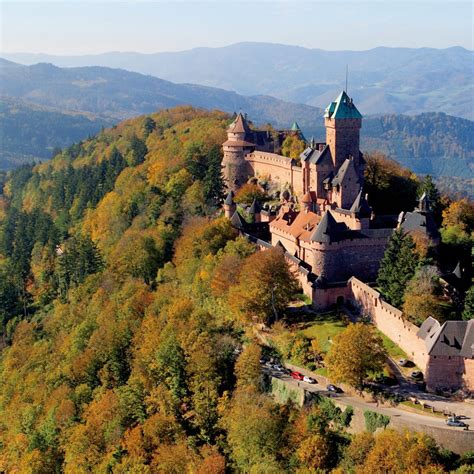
x=277, y=168
x=389, y=320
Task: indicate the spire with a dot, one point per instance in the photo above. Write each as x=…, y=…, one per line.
x=237, y=221
x=457, y=272
x=229, y=200
x=239, y=125
x=342, y=108
x=325, y=230
x=255, y=208
x=295, y=127
x=361, y=206
x=424, y=203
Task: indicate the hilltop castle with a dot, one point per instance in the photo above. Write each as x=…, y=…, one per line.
x=323, y=221
x=329, y=234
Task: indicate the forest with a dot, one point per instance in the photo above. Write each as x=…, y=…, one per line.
x=127, y=307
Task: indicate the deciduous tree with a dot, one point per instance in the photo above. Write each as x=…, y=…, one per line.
x=266, y=286
x=355, y=352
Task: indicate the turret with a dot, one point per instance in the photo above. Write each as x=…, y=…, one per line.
x=343, y=122
x=234, y=167
x=361, y=210
x=229, y=205
x=424, y=203
x=255, y=211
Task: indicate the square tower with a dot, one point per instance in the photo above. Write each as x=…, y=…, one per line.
x=343, y=122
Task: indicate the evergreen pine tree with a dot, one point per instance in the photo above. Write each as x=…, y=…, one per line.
x=213, y=181
x=468, y=312
x=397, y=267
x=139, y=150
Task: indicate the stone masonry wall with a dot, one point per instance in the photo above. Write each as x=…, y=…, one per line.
x=340, y=260
x=278, y=168
x=389, y=320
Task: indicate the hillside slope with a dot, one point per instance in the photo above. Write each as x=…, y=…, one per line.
x=29, y=132
x=122, y=94
x=126, y=305
x=428, y=143
x=385, y=80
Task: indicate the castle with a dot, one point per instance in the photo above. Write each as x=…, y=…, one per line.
x=329, y=234
x=324, y=222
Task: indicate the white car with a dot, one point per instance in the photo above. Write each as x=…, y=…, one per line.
x=309, y=379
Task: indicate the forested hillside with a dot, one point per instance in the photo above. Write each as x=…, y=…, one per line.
x=29, y=132
x=384, y=80
x=433, y=143
x=126, y=311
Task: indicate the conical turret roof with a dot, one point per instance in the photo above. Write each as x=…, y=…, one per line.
x=239, y=125
x=237, y=221
x=326, y=229
x=295, y=127
x=361, y=206
x=255, y=208
x=229, y=200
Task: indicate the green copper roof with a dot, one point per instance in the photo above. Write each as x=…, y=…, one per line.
x=295, y=127
x=342, y=108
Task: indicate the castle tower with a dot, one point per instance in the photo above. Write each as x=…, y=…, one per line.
x=343, y=122
x=255, y=211
x=229, y=205
x=234, y=167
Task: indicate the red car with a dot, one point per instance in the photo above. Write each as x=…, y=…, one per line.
x=297, y=375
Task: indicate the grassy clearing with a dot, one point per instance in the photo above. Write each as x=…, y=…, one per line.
x=394, y=351
x=324, y=328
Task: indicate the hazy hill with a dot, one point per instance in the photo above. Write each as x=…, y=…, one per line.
x=121, y=94
x=429, y=143
x=385, y=80
x=30, y=132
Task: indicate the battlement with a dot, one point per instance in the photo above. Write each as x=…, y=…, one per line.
x=269, y=158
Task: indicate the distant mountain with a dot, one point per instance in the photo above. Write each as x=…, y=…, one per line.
x=30, y=133
x=122, y=94
x=428, y=143
x=385, y=80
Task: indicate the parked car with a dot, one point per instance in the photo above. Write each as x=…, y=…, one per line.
x=333, y=388
x=402, y=362
x=309, y=379
x=278, y=367
x=297, y=375
x=455, y=422
x=416, y=374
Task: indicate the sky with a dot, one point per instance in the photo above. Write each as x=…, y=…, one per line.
x=67, y=27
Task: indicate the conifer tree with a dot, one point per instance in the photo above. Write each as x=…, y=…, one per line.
x=468, y=312
x=138, y=149
x=397, y=267
x=213, y=181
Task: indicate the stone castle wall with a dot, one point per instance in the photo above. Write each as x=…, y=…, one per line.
x=390, y=321
x=339, y=261
x=277, y=168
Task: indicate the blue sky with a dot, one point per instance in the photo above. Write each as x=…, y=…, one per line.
x=79, y=27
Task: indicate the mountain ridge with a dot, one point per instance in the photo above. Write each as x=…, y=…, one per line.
x=428, y=143
x=386, y=79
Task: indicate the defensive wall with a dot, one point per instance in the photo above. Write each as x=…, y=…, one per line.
x=277, y=168
x=389, y=320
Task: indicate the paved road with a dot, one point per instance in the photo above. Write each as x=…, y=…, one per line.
x=403, y=416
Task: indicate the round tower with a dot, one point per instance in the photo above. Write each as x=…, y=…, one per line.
x=235, y=168
x=229, y=205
